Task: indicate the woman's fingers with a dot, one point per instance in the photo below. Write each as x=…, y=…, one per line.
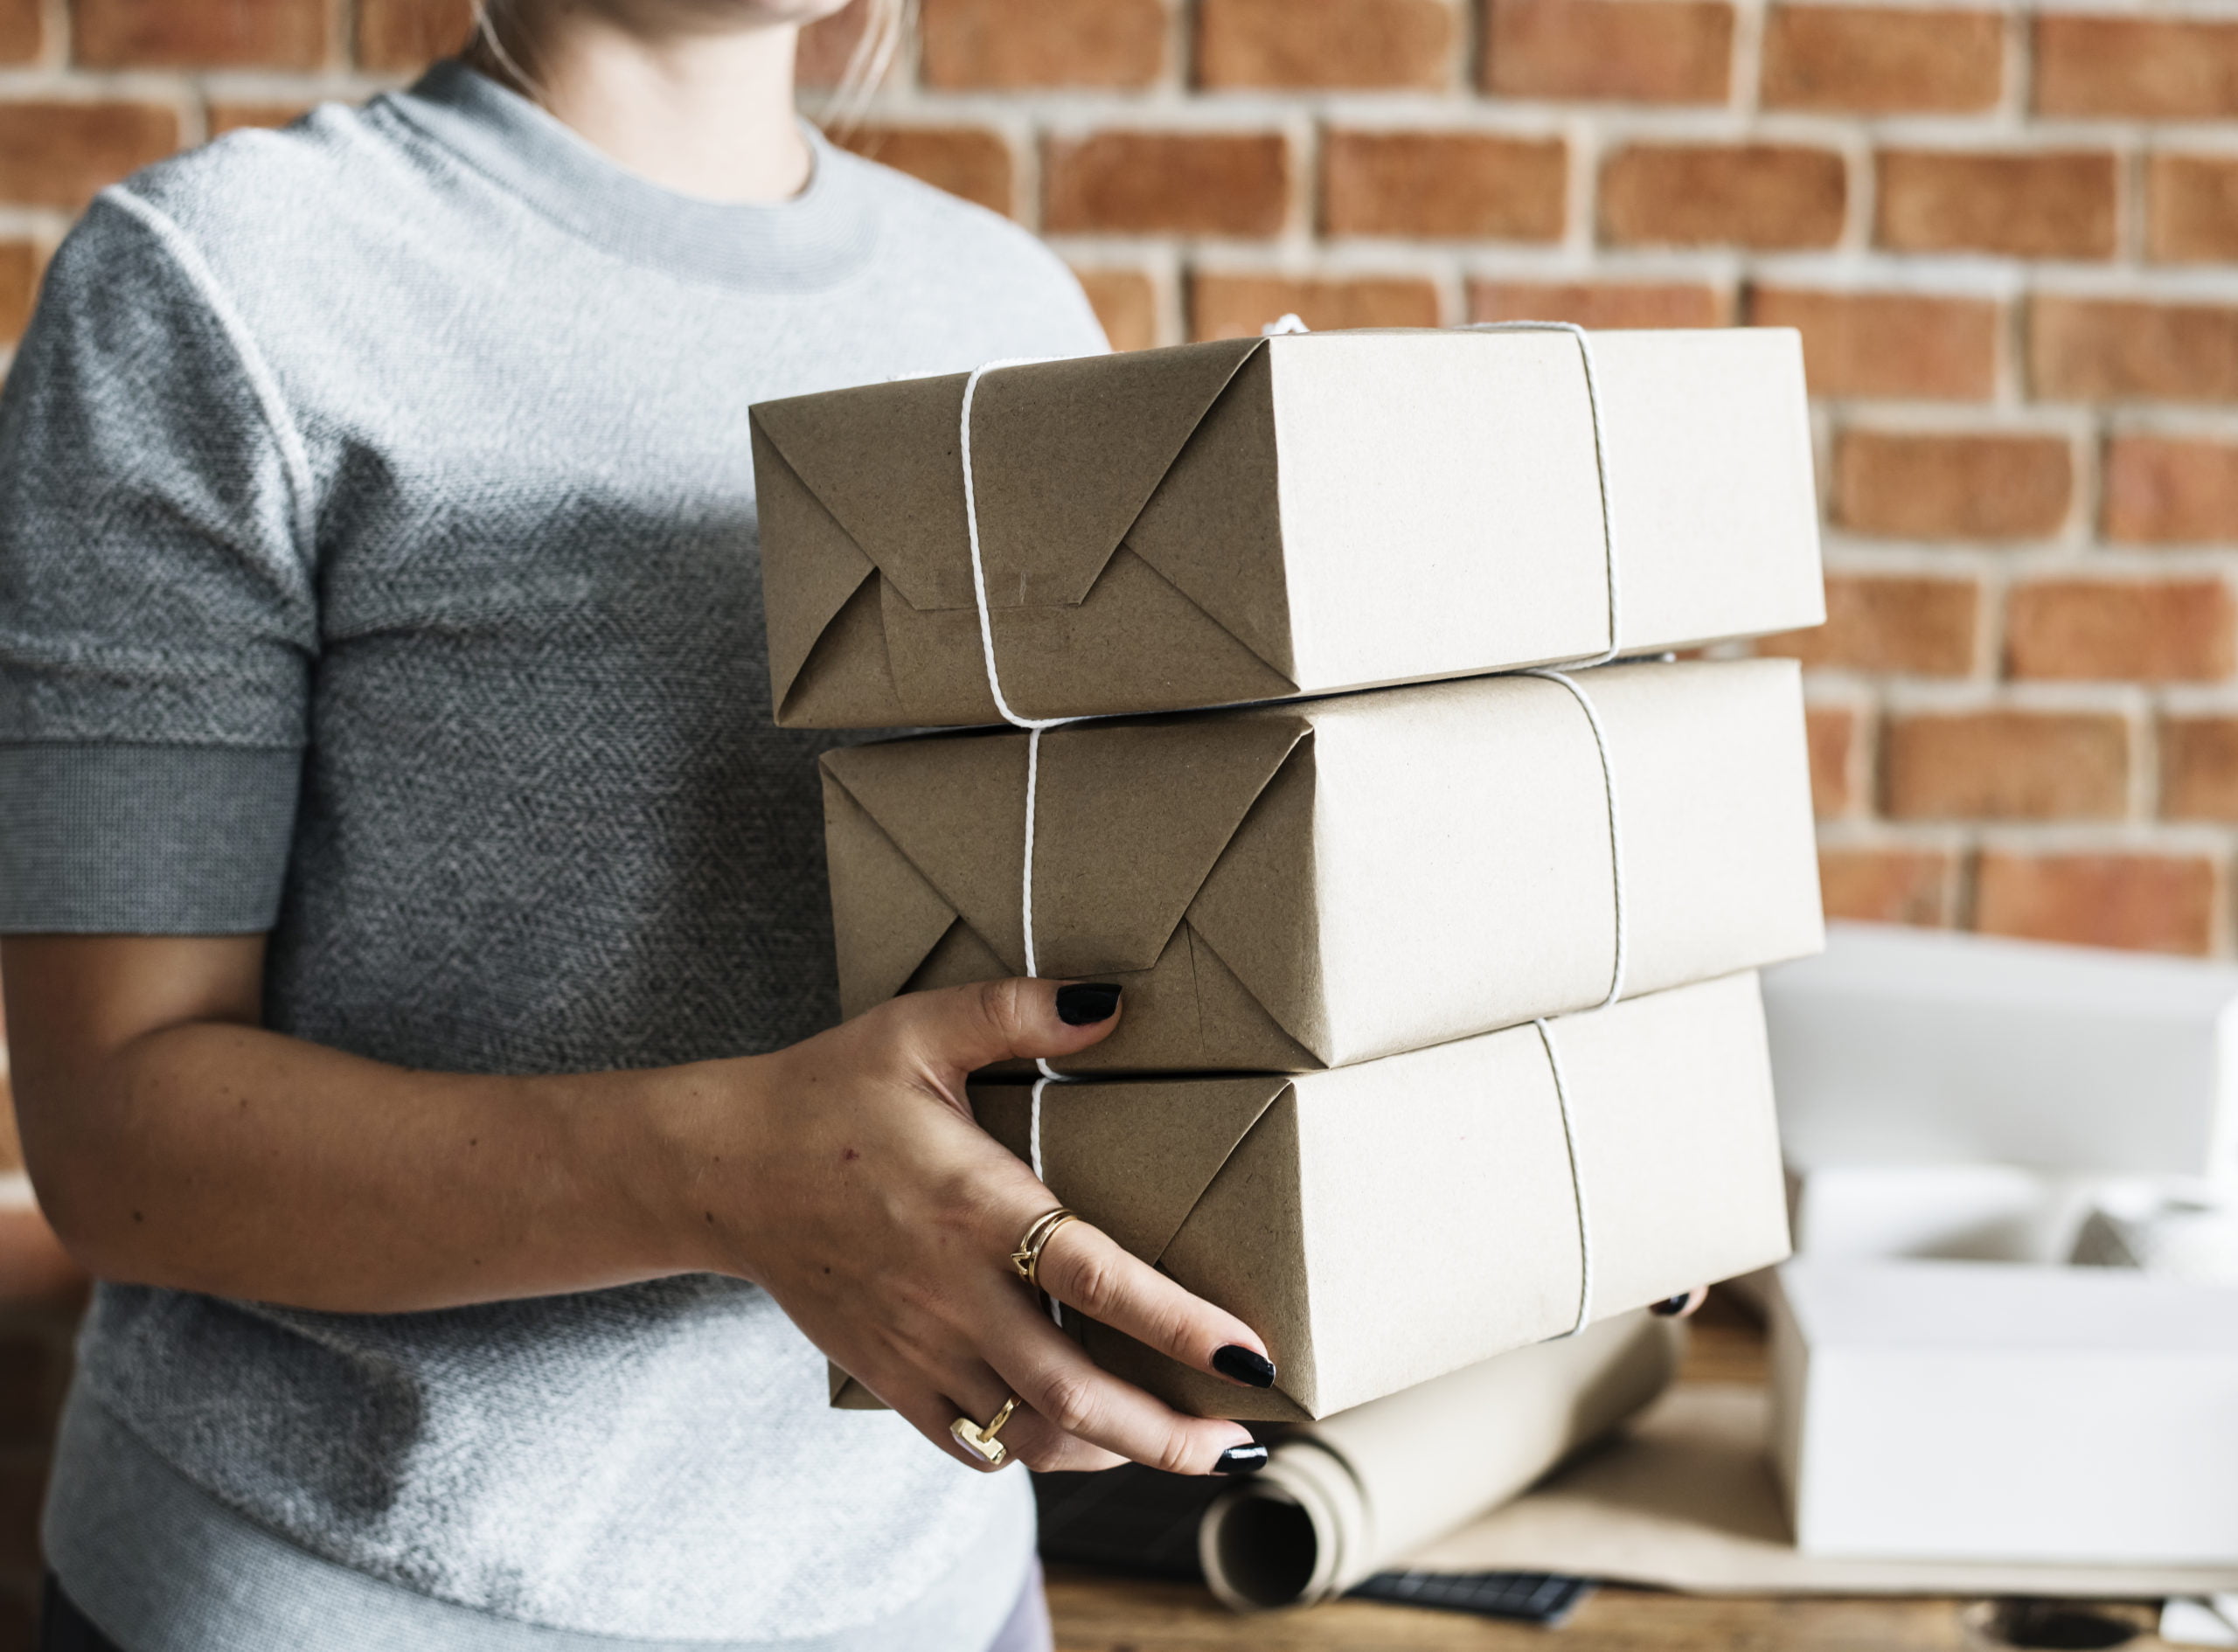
x=1085, y=1268
x=1071, y=1392
x=1683, y=1306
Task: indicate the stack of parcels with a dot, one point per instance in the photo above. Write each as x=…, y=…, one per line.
x=2011, y=1331
x=1344, y=907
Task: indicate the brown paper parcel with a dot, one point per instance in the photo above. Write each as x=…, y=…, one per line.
x=1298, y=887
x=1254, y=518
x=1385, y=1224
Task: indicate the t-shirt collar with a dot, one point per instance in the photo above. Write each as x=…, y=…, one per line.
x=812, y=240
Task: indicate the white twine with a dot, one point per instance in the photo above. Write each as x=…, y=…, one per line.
x=1609, y=786
x=1600, y=463
x=1034, y=726
x=1577, y=1180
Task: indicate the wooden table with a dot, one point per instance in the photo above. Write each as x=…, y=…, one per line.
x=1098, y=1613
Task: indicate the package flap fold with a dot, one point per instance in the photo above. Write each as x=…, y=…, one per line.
x=1383, y=1223
x=1288, y=887
x=1256, y=518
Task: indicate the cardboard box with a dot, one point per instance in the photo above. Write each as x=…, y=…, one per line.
x=1909, y=1046
x=1255, y=518
x=1385, y=1224
x=1996, y=1412
x=1954, y=1212
x=1299, y=886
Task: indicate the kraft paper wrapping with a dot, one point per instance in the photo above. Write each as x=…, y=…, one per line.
x=1255, y=518
x=1385, y=1224
x=1340, y=1499
x=1299, y=886
x=1687, y=1500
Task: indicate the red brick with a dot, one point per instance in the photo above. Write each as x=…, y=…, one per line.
x=1834, y=732
x=234, y=117
x=167, y=34
x=2153, y=68
x=2114, y=349
x=1882, y=60
x=1600, y=304
x=1324, y=43
x=22, y=30
x=2169, y=491
x=2147, y=903
x=1178, y=183
x=1635, y=51
x=21, y=264
x=1125, y=303
x=2057, y=204
x=1889, y=886
x=973, y=44
x=2006, y=766
x=1918, y=486
x=1767, y=195
x=1444, y=184
x=1890, y=622
x=1222, y=306
x=62, y=153
x=2108, y=630
x=2199, y=767
x=2191, y=209
x=963, y=160
x=1888, y=343
x=394, y=35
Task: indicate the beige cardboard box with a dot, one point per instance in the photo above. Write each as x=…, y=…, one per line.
x=1256, y=518
x=1304, y=885
x=1385, y=1224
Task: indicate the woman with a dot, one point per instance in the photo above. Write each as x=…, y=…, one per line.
x=416, y=951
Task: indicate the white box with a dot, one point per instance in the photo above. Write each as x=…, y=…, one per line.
x=1914, y=1046
x=1954, y=1212
x=1988, y=1412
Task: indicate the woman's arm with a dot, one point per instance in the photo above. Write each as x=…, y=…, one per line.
x=174, y=1142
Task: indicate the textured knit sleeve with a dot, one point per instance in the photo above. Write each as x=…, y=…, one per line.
x=157, y=618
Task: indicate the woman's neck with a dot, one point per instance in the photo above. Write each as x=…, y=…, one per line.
x=704, y=111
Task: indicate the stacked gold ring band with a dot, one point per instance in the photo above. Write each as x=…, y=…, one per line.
x=1027, y=1258
x=972, y=1437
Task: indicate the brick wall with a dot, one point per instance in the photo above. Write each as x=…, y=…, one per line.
x=2008, y=237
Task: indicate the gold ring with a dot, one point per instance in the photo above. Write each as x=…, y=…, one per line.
x=1027, y=1258
x=971, y=1435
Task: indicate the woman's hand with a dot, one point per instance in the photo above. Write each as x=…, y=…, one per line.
x=846, y=1177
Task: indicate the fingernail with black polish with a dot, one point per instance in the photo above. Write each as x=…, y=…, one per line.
x=1239, y=1363
x=1241, y=1459
x=1670, y=1307
x=1085, y=1002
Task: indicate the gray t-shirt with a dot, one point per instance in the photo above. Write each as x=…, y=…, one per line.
x=378, y=567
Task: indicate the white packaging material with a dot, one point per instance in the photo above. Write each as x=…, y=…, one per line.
x=1907, y=1046
x=2185, y=1621
x=1995, y=1411
x=1957, y=1212
x=2188, y=1236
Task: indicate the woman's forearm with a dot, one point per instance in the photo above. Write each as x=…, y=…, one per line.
x=238, y=1161
x=175, y=1143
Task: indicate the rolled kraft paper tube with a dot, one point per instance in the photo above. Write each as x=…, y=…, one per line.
x=1340, y=1499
